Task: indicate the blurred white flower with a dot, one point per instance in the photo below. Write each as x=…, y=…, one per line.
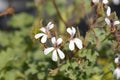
x=45, y=33
x=55, y=49
x=117, y=73
x=110, y=23
x=97, y=1
x=74, y=41
x=117, y=60
x=108, y=12
x=105, y=1
x=116, y=2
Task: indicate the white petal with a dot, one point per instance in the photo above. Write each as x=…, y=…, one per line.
x=108, y=12
x=107, y=21
x=59, y=41
x=48, y=50
x=117, y=73
x=116, y=2
x=73, y=30
x=44, y=39
x=53, y=40
x=61, y=54
x=50, y=25
x=54, y=55
x=43, y=29
x=71, y=45
x=78, y=43
x=69, y=31
x=116, y=22
x=95, y=1
x=38, y=35
x=105, y=1
x=117, y=60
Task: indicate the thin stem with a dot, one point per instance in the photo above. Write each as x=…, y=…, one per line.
x=57, y=69
x=58, y=12
x=106, y=37
x=95, y=37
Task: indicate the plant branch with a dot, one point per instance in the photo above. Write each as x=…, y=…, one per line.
x=58, y=12
x=106, y=37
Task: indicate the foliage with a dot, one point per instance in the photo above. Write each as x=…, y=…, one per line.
x=22, y=57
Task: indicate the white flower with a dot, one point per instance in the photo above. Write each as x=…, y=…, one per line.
x=45, y=33
x=55, y=49
x=117, y=60
x=116, y=2
x=97, y=1
x=108, y=12
x=117, y=72
x=110, y=23
x=73, y=40
x=105, y=1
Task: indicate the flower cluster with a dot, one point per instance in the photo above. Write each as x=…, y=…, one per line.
x=56, y=47
x=45, y=32
x=108, y=13
x=108, y=21
x=117, y=70
x=112, y=25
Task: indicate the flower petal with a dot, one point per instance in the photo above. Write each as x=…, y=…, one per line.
x=78, y=43
x=50, y=25
x=61, y=54
x=73, y=30
x=105, y=1
x=117, y=73
x=69, y=31
x=116, y=22
x=116, y=2
x=71, y=45
x=107, y=21
x=43, y=29
x=44, y=39
x=117, y=60
x=95, y=1
x=38, y=35
x=54, y=55
x=53, y=40
x=59, y=41
x=108, y=12
x=48, y=50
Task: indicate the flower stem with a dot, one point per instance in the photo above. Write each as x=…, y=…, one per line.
x=58, y=12
x=106, y=37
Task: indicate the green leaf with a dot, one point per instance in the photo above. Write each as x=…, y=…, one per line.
x=10, y=75
x=21, y=20
x=5, y=58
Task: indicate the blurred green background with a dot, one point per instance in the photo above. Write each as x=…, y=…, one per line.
x=21, y=56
